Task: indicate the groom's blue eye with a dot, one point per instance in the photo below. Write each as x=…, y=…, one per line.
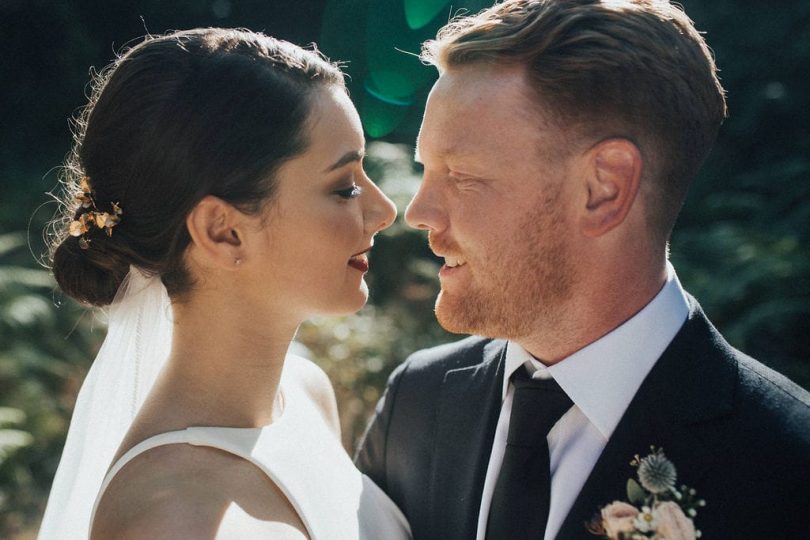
x=350, y=193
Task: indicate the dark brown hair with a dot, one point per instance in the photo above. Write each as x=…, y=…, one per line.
x=178, y=117
x=636, y=69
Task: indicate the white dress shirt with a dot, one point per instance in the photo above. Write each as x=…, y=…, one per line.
x=601, y=379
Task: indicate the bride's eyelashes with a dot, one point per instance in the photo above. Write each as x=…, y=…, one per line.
x=349, y=193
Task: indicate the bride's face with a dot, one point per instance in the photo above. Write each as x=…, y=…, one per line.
x=324, y=217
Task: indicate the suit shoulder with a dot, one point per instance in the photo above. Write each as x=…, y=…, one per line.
x=426, y=368
x=757, y=378
x=442, y=358
x=758, y=392
x=778, y=402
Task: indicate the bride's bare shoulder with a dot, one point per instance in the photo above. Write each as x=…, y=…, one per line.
x=312, y=379
x=183, y=491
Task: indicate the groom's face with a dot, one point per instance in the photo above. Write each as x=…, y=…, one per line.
x=495, y=204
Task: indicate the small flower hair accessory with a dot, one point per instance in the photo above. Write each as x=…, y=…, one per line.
x=656, y=511
x=94, y=218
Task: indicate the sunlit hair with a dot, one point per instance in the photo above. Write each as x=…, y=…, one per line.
x=636, y=69
x=177, y=117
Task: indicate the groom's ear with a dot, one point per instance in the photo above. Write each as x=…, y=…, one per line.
x=612, y=178
x=216, y=230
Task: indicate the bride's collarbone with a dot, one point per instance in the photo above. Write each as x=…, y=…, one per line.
x=183, y=491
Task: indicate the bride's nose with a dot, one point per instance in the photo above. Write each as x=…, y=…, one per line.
x=379, y=211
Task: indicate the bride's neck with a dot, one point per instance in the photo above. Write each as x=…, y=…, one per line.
x=225, y=366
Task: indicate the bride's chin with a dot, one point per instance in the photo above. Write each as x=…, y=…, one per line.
x=361, y=301
x=349, y=306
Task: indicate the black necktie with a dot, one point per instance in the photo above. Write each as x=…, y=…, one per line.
x=522, y=493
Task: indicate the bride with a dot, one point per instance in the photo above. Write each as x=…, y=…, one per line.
x=216, y=199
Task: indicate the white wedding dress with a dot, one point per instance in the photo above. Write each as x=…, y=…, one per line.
x=304, y=458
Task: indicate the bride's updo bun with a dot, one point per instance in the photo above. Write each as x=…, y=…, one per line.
x=89, y=276
x=176, y=118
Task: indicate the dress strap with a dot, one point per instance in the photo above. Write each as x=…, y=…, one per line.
x=163, y=439
x=241, y=442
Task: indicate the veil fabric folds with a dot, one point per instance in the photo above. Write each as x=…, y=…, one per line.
x=136, y=347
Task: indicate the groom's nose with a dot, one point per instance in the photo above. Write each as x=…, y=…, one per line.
x=426, y=211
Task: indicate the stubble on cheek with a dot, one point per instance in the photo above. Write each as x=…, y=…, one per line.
x=524, y=287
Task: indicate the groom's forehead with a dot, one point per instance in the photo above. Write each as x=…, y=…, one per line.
x=454, y=139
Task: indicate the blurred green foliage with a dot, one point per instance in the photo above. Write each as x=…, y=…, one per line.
x=44, y=354
x=740, y=245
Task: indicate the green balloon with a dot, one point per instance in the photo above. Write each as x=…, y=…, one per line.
x=380, y=116
x=391, y=85
x=391, y=51
x=420, y=12
x=401, y=100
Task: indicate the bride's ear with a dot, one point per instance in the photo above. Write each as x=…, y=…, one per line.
x=217, y=231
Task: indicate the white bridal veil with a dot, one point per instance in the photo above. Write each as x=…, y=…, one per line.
x=137, y=345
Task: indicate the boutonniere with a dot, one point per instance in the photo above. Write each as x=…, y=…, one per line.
x=656, y=509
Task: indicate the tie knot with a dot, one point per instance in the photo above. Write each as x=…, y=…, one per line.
x=537, y=405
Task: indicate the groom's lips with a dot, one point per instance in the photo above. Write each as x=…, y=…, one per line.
x=447, y=271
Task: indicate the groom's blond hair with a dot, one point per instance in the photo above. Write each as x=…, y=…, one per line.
x=636, y=69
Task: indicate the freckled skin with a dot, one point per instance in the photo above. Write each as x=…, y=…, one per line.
x=494, y=195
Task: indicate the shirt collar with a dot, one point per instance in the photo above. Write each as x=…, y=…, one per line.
x=602, y=378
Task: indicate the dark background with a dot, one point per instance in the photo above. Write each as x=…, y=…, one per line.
x=740, y=245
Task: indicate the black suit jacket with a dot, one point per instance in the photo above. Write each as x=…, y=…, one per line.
x=737, y=432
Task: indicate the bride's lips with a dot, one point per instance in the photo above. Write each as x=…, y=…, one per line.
x=359, y=261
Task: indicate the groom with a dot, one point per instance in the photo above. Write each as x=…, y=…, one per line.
x=558, y=145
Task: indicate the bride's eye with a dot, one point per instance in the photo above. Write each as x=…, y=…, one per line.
x=350, y=192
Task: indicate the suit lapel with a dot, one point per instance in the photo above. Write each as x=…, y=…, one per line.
x=469, y=407
x=690, y=384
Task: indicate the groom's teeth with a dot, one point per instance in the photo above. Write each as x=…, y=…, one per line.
x=452, y=262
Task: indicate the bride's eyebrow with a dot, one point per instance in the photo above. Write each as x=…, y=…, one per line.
x=348, y=157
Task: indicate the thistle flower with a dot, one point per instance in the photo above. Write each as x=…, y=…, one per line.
x=658, y=511
x=656, y=473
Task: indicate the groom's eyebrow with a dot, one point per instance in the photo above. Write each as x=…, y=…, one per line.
x=348, y=157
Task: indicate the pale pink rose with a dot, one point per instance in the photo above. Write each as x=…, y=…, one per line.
x=673, y=523
x=617, y=517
